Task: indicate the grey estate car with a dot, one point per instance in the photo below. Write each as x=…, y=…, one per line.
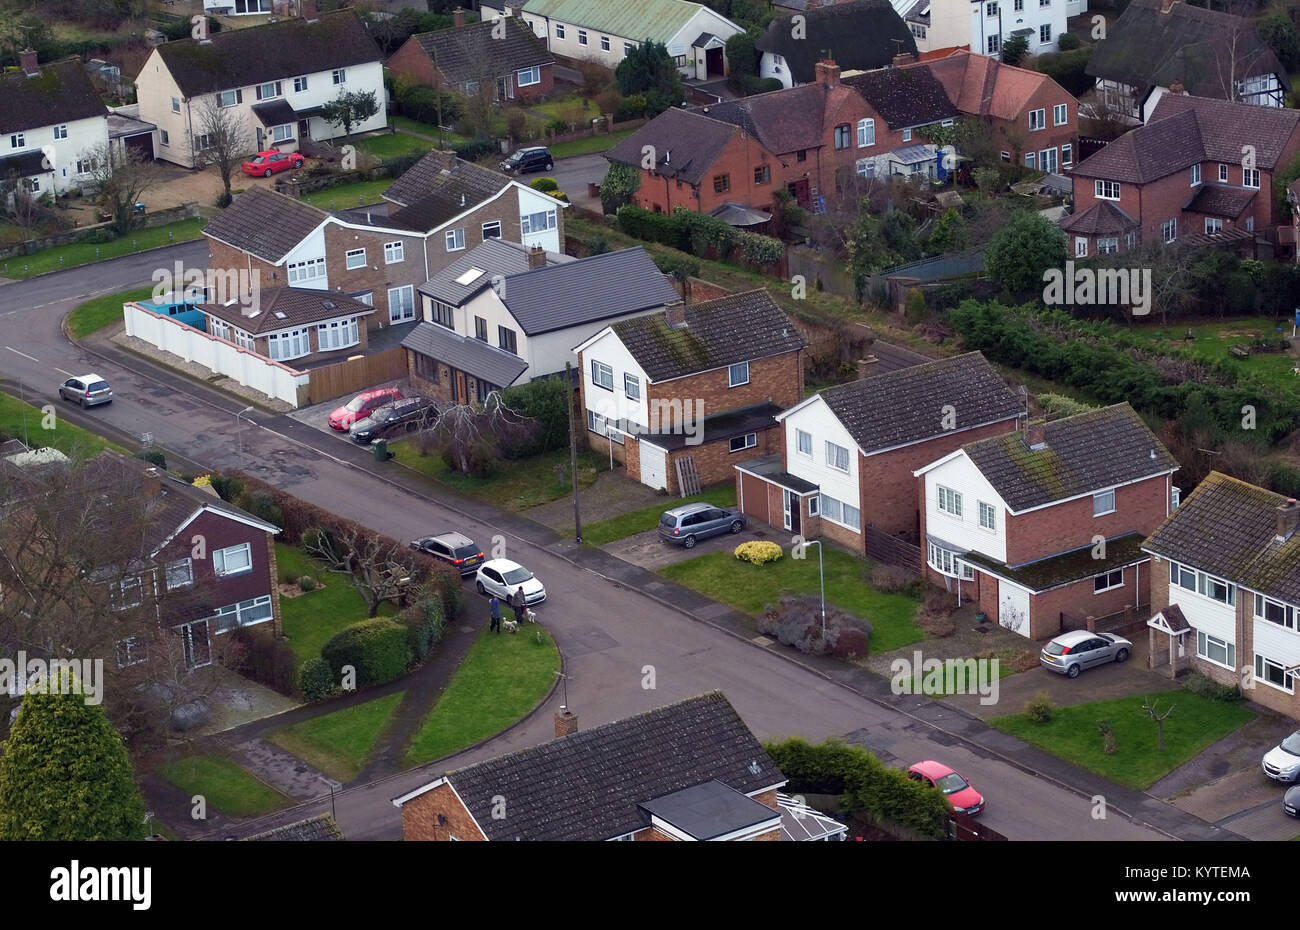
x=689, y=523
x=1070, y=653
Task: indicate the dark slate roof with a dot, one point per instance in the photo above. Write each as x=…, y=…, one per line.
x=1147, y=153
x=737, y=214
x=437, y=188
x=857, y=35
x=588, y=786
x=1090, y=451
x=275, y=113
x=242, y=57
x=736, y=328
x=265, y=223
x=686, y=144
x=1101, y=218
x=1175, y=619
x=1067, y=567
x=890, y=357
x=1220, y=200
x=905, y=97
x=1188, y=44
x=718, y=428
x=312, y=830
x=473, y=356
x=1229, y=528
x=770, y=467
x=23, y=165
x=282, y=307
x=586, y=291
x=703, y=39
x=492, y=257
x=710, y=810
x=1225, y=126
x=783, y=120
x=60, y=94
x=901, y=407
x=471, y=53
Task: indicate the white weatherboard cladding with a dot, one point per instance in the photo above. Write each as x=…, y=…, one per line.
x=654, y=466
x=1276, y=642
x=531, y=201
x=1013, y=608
x=961, y=475
x=615, y=404
x=818, y=419
x=1206, y=615
x=312, y=246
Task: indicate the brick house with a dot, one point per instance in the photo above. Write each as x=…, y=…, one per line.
x=1225, y=589
x=850, y=451
x=860, y=35
x=690, y=771
x=1183, y=175
x=697, y=385
x=902, y=100
x=504, y=55
x=293, y=324
x=1045, y=524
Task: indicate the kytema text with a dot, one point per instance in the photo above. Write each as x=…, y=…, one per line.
x=105, y=883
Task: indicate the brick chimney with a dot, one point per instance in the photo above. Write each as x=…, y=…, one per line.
x=1288, y=517
x=536, y=257
x=828, y=73
x=307, y=10
x=675, y=314
x=566, y=722
x=1177, y=88
x=151, y=486
x=903, y=58
x=867, y=366
x=1035, y=436
x=458, y=16
x=27, y=61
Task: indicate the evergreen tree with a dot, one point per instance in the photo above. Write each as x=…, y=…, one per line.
x=648, y=69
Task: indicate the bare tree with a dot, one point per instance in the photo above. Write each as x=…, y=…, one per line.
x=377, y=569
x=226, y=140
x=475, y=438
x=1150, y=707
x=121, y=177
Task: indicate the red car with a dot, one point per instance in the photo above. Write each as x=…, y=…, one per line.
x=956, y=788
x=271, y=162
x=361, y=406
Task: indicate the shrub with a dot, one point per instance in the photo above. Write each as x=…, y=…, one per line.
x=261, y=656
x=914, y=306
x=935, y=624
x=758, y=552
x=228, y=488
x=223, y=200
x=757, y=249
x=558, y=126
x=544, y=184
x=288, y=578
x=894, y=579
x=630, y=108
x=652, y=227
x=940, y=602
x=307, y=583
x=398, y=165
x=262, y=505
x=472, y=151
x=1040, y=708
x=559, y=195
x=1207, y=687
x=425, y=625
x=797, y=621
x=379, y=650
x=1068, y=42
x=316, y=679
x=153, y=457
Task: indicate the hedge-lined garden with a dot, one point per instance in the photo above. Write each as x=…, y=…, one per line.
x=697, y=233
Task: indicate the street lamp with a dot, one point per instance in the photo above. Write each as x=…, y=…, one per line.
x=240, y=431
x=821, y=574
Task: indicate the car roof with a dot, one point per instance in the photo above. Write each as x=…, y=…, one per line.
x=453, y=539
x=91, y=377
x=1072, y=637
x=501, y=565
x=932, y=769
x=377, y=392
x=684, y=509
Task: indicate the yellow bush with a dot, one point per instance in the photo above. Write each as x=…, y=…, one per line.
x=758, y=552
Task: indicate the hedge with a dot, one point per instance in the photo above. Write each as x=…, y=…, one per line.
x=379, y=650
x=473, y=151
x=265, y=659
x=689, y=231
x=425, y=626
x=316, y=679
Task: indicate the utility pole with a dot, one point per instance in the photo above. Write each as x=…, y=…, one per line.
x=573, y=452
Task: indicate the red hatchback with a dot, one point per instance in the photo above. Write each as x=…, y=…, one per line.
x=265, y=164
x=956, y=788
x=361, y=406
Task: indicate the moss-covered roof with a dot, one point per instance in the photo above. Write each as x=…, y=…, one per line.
x=61, y=93
x=1067, y=567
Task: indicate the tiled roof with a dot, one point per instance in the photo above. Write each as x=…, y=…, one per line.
x=644, y=20
x=473, y=356
x=283, y=307
x=982, y=86
x=312, y=830
x=472, y=53
x=1229, y=528
x=1225, y=126
x=275, y=51
x=1101, y=218
x=587, y=786
x=264, y=223
x=1088, y=452
x=433, y=187
x=905, y=97
x=906, y=406
x=1149, y=152
x=1220, y=200
x=736, y=328
x=492, y=257
x=61, y=93
x=1201, y=48
x=686, y=144
x=783, y=120
x=859, y=36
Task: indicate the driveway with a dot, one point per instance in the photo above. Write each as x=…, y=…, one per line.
x=317, y=415
x=646, y=550
x=573, y=175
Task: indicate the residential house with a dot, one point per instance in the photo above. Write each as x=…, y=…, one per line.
x=695, y=36
x=984, y=26
x=1225, y=589
x=849, y=455
x=237, y=7
x=1156, y=45
x=277, y=78
x=907, y=100
x=861, y=35
x=505, y=55
x=292, y=324
x=693, y=389
x=1043, y=528
x=53, y=126
x=690, y=771
x=319, y=829
x=523, y=325
x=1183, y=175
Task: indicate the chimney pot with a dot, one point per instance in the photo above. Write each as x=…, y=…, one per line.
x=866, y=365
x=152, y=484
x=458, y=16
x=536, y=257
x=566, y=722
x=1288, y=517
x=828, y=73
x=27, y=61
x=1035, y=435
x=675, y=314
x=903, y=58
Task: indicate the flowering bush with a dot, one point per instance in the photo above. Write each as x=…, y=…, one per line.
x=758, y=552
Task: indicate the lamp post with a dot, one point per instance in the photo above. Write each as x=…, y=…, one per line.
x=821, y=575
x=240, y=432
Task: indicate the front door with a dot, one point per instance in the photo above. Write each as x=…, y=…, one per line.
x=790, y=504
x=800, y=191
x=304, y=132
x=198, y=648
x=504, y=88
x=460, y=389
x=713, y=63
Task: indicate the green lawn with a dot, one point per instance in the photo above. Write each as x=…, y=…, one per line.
x=647, y=518
x=94, y=315
x=572, y=108
x=228, y=788
x=517, y=486
x=428, y=129
x=312, y=618
x=1072, y=734
x=590, y=145
x=503, y=677
x=1214, y=340
x=82, y=253
x=71, y=440
x=356, y=194
x=751, y=588
x=339, y=743
x=391, y=145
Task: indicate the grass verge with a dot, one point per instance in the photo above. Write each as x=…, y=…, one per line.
x=94, y=315
x=228, y=788
x=520, y=485
x=83, y=253
x=647, y=518
x=339, y=743
x=601, y=142
x=72, y=441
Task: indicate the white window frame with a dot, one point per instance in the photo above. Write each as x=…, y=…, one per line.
x=1045, y=34
x=300, y=84
x=559, y=30
x=1067, y=155
x=907, y=135
x=494, y=224
x=1203, y=643
x=604, y=43
x=948, y=501
x=948, y=563
x=1106, y=190
x=455, y=240
x=164, y=137
x=803, y=442
x=988, y=515
x=1038, y=119
x=354, y=259
x=736, y=372
x=1213, y=224
x=1107, y=245
x=1250, y=178
x=526, y=222
x=1289, y=618
x=394, y=252
x=1107, y=579
x=1169, y=229
x=1195, y=174
x=263, y=94
x=866, y=133
x=993, y=44
x=121, y=599
x=338, y=334
x=834, y=456
x=404, y=304
x=176, y=104
x=582, y=36
x=339, y=75
x=1099, y=501
x=126, y=648
x=1060, y=114
x=282, y=133
x=748, y=441
x=1223, y=173
x=631, y=386
x=228, y=98
x=602, y=375
x=1080, y=246
x=307, y=270
x=172, y=573
x=221, y=558
x=290, y=344
x=527, y=77
x=833, y=509
x=1261, y=661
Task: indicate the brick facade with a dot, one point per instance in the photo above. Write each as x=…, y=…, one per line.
x=420, y=818
x=777, y=380
x=1139, y=508
x=732, y=173
x=414, y=63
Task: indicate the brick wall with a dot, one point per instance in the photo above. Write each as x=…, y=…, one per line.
x=1014, y=135
x=714, y=460
x=226, y=257
x=274, y=572
x=446, y=386
x=420, y=818
x=375, y=275
x=1079, y=600
x=413, y=61
x=734, y=169
x=1139, y=507
x=778, y=379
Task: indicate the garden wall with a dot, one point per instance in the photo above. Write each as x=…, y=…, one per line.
x=161, y=218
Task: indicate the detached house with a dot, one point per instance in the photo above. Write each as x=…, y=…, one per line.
x=860, y=35
x=691, y=771
x=984, y=26
x=906, y=100
x=679, y=397
x=504, y=55
x=276, y=78
x=1159, y=45
x=52, y=125
x=1225, y=588
x=1043, y=527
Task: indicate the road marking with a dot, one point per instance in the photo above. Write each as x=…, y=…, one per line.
x=62, y=372
x=23, y=354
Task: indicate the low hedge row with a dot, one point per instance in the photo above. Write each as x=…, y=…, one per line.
x=378, y=650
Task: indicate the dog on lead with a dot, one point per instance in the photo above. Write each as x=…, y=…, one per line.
x=510, y=626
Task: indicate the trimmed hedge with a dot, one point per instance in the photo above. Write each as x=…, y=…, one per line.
x=696, y=233
x=473, y=151
x=316, y=679
x=379, y=650
x=265, y=659
x=425, y=625
x=545, y=185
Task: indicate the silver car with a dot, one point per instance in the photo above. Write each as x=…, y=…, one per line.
x=87, y=390
x=1070, y=653
x=685, y=525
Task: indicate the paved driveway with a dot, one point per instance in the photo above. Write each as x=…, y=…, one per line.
x=648, y=551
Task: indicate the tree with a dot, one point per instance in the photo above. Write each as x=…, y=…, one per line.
x=1021, y=251
x=620, y=183
x=377, y=569
x=1277, y=29
x=596, y=79
x=228, y=141
x=474, y=439
x=898, y=230
x=1014, y=50
x=743, y=55
x=65, y=775
x=949, y=234
x=1150, y=707
x=648, y=69
x=120, y=176
x=350, y=109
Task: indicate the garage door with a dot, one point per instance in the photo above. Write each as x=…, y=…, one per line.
x=1013, y=608
x=654, y=466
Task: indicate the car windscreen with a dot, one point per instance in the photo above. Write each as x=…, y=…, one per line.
x=517, y=576
x=257, y=159
x=355, y=404
x=1292, y=743
x=465, y=552
x=98, y=386
x=950, y=783
x=1054, y=648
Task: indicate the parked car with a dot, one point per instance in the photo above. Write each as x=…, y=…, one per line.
x=688, y=524
x=456, y=549
x=503, y=577
x=523, y=161
x=397, y=417
x=265, y=164
x=1291, y=801
x=361, y=406
x=1070, y=653
x=1282, y=762
x=87, y=390
x=955, y=787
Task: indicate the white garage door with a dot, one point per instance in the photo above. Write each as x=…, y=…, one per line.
x=1013, y=608
x=654, y=466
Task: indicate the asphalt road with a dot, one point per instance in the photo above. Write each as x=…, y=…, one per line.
x=610, y=634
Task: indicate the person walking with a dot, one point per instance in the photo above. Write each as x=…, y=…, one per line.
x=518, y=603
x=494, y=606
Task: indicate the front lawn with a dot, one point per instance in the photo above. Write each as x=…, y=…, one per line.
x=310, y=619
x=227, y=788
x=647, y=518
x=82, y=253
x=449, y=138
x=72, y=441
x=1072, y=734
x=94, y=315
x=517, y=486
x=339, y=743
x=393, y=144
x=356, y=194
x=750, y=588
x=590, y=145
x=503, y=677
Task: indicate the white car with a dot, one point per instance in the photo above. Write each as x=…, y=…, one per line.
x=503, y=577
x=1282, y=762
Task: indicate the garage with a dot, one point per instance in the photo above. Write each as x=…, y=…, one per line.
x=654, y=465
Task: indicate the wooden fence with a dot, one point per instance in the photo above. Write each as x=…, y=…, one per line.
x=890, y=550
x=354, y=374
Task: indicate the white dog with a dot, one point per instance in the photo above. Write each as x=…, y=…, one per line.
x=530, y=615
x=510, y=626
